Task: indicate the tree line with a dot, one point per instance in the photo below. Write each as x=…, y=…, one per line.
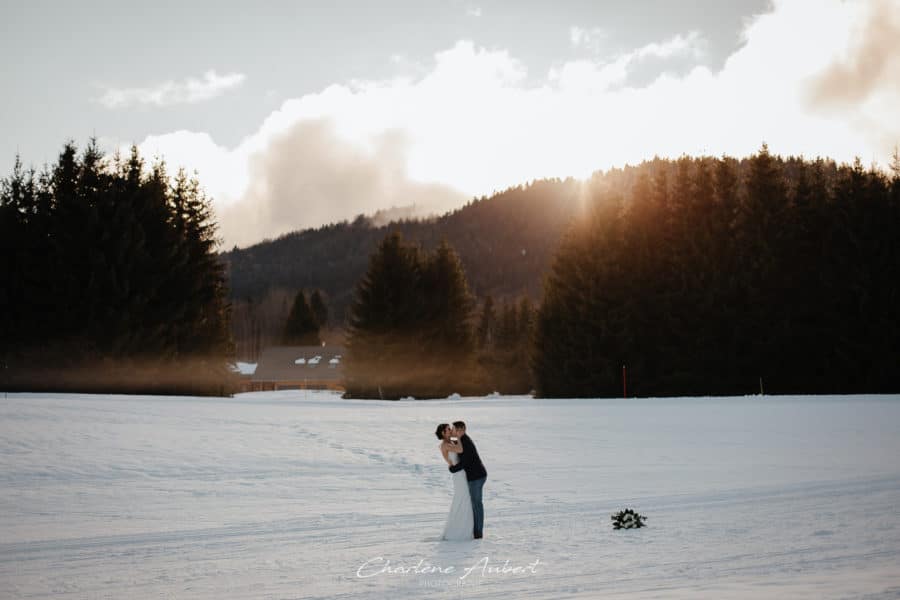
x=694, y=276
x=111, y=278
x=701, y=275
x=717, y=276
x=505, y=243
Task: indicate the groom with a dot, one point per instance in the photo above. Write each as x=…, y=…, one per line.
x=475, y=474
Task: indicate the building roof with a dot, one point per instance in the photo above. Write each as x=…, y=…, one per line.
x=244, y=369
x=298, y=363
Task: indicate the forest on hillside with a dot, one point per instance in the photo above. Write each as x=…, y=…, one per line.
x=702, y=275
x=505, y=243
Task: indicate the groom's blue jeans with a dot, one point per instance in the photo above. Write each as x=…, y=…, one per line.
x=477, y=506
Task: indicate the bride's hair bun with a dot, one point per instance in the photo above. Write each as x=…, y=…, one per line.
x=439, y=432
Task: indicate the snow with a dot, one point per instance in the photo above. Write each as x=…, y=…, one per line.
x=295, y=494
x=244, y=368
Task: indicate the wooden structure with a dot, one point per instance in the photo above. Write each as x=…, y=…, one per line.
x=299, y=368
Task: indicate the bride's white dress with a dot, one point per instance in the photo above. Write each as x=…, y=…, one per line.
x=460, y=521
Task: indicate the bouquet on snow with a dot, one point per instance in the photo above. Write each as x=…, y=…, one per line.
x=628, y=519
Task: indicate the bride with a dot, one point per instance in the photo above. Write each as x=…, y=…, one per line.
x=460, y=521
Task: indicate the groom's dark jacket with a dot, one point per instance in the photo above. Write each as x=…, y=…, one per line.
x=469, y=460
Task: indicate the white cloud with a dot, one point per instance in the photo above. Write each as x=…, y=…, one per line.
x=593, y=76
x=692, y=44
x=473, y=11
x=475, y=122
x=189, y=91
x=591, y=39
x=221, y=170
x=306, y=176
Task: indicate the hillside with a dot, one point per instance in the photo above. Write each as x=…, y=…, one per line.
x=506, y=243
x=759, y=254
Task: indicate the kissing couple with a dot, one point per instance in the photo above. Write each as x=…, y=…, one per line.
x=466, y=518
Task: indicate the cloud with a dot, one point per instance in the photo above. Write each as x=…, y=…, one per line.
x=189, y=91
x=473, y=11
x=592, y=75
x=692, y=43
x=223, y=172
x=476, y=121
x=865, y=80
x=307, y=176
x=581, y=37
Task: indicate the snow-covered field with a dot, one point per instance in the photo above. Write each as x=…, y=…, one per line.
x=289, y=494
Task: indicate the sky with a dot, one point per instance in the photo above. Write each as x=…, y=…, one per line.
x=297, y=114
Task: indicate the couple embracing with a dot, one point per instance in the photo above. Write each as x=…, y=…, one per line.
x=466, y=518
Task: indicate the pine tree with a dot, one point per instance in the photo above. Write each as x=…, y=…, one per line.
x=15, y=259
x=382, y=344
x=320, y=310
x=447, y=304
x=579, y=327
x=410, y=324
x=208, y=307
x=301, y=328
x=487, y=324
